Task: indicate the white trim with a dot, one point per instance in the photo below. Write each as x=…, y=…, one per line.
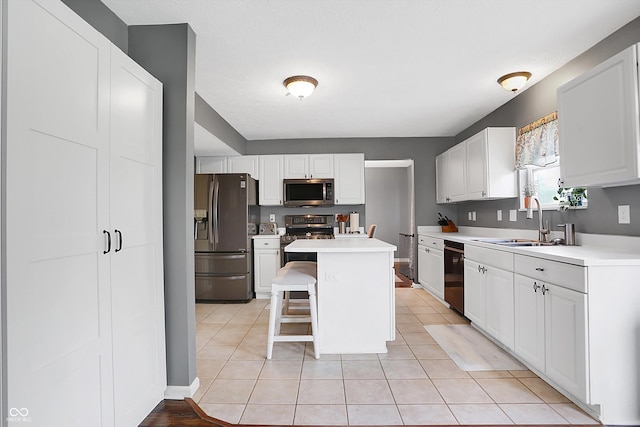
x=177, y=392
x=388, y=163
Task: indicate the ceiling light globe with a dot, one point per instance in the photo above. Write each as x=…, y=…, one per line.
x=300, y=86
x=514, y=81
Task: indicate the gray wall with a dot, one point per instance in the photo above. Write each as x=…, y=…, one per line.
x=168, y=52
x=209, y=119
x=601, y=216
x=103, y=20
x=421, y=150
x=388, y=202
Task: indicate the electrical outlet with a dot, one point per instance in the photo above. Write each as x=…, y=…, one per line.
x=499, y=215
x=272, y=217
x=473, y=216
x=624, y=214
x=469, y=217
x=513, y=215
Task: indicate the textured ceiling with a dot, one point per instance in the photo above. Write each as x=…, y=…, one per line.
x=401, y=68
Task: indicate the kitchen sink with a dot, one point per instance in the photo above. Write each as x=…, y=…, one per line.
x=514, y=242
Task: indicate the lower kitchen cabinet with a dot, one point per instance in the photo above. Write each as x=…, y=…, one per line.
x=488, y=292
x=499, y=310
x=474, y=292
x=266, y=263
x=551, y=322
x=431, y=264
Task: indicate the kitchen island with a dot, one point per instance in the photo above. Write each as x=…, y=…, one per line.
x=356, y=293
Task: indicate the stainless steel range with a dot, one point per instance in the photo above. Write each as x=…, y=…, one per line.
x=304, y=227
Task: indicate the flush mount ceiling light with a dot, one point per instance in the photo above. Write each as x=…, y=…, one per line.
x=300, y=86
x=513, y=82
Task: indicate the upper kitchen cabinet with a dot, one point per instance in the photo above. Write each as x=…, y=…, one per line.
x=598, y=119
x=490, y=164
x=244, y=164
x=349, y=179
x=308, y=166
x=481, y=167
x=211, y=165
x=270, y=180
x=451, y=175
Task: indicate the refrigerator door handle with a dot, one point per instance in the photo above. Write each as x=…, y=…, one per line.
x=214, y=191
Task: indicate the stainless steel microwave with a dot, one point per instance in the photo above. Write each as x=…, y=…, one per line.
x=308, y=192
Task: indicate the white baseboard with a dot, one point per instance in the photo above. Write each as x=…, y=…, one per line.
x=176, y=392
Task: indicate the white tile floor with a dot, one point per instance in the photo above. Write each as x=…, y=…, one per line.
x=414, y=383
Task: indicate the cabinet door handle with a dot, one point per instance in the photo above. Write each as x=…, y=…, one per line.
x=484, y=193
x=539, y=269
x=535, y=286
x=479, y=269
x=119, y=233
x=484, y=270
x=544, y=290
x=108, y=241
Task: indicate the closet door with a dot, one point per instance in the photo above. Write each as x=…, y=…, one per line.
x=57, y=277
x=137, y=288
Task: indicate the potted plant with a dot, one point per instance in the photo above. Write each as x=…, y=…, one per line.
x=570, y=198
x=529, y=190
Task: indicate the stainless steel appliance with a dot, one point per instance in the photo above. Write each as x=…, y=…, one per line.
x=308, y=192
x=304, y=227
x=454, y=275
x=225, y=215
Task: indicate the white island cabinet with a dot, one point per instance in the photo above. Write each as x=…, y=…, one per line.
x=356, y=294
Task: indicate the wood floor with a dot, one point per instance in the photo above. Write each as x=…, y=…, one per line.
x=186, y=413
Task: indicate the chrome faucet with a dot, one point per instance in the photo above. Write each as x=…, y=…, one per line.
x=542, y=232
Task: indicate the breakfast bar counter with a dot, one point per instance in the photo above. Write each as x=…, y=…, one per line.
x=356, y=293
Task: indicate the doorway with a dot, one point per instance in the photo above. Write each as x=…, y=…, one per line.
x=389, y=186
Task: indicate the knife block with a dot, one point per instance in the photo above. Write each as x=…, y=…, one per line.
x=450, y=228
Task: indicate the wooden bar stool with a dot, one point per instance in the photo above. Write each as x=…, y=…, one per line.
x=293, y=278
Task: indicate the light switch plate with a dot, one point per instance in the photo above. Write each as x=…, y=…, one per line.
x=499, y=214
x=624, y=214
x=513, y=215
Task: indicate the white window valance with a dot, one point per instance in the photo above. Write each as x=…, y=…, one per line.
x=537, y=143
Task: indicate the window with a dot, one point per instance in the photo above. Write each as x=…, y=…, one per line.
x=545, y=180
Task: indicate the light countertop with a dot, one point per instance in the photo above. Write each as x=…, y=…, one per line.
x=593, y=252
x=339, y=245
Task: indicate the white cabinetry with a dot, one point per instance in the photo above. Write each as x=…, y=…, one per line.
x=490, y=164
x=270, y=180
x=266, y=263
x=451, y=175
x=488, y=292
x=551, y=321
x=481, y=167
x=431, y=264
x=244, y=164
x=210, y=164
x=599, y=128
x=84, y=275
x=308, y=166
x=349, y=179
x=442, y=178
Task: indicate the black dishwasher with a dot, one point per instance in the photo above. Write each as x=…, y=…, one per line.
x=454, y=275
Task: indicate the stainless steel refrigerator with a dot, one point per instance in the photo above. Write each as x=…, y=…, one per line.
x=225, y=215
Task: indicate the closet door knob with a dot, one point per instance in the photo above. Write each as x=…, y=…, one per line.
x=119, y=233
x=108, y=241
